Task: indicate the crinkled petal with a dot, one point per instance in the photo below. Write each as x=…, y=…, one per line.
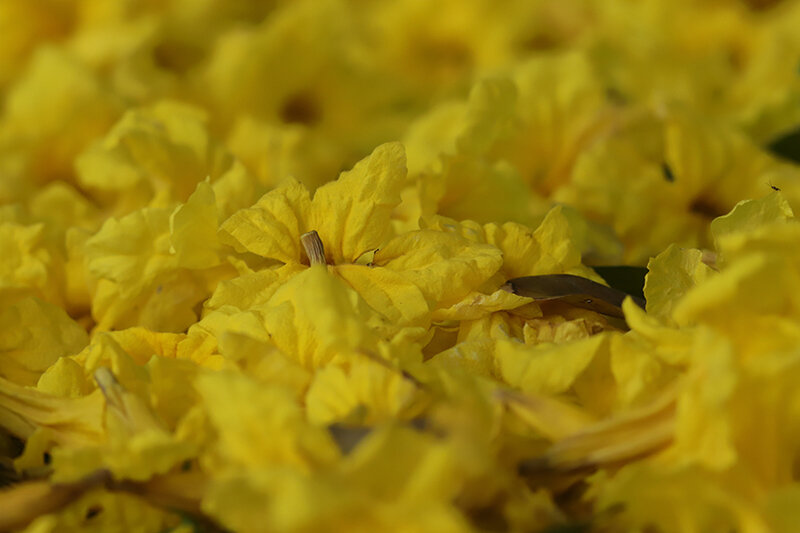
x=445, y=267
x=272, y=227
x=352, y=214
x=312, y=319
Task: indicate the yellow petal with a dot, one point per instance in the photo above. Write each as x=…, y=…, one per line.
x=352, y=214
x=273, y=151
x=57, y=93
x=549, y=249
x=64, y=206
x=64, y=378
x=31, y=265
x=491, y=107
x=227, y=319
x=34, y=335
x=193, y=229
x=477, y=189
x=361, y=391
x=154, y=155
x=773, y=310
x=71, y=421
x=670, y=345
x=751, y=214
x=781, y=509
x=559, y=329
x=262, y=425
x=171, y=402
x=312, y=319
x=477, y=304
x=262, y=361
x=706, y=417
x=133, y=250
x=639, y=373
x=138, y=458
x=622, y=437
x=444, y=266
x=561, y=103
x=272, y=227
x=398, y=463
x=235, y=189
x=114, y=512
x=702, y=500
x=475, y=356
x=552, y=417
x=670, y=275
x=547, y=369
x=388, y=292
x=247, y=290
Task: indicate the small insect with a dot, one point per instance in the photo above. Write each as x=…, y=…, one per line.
x=774, y=188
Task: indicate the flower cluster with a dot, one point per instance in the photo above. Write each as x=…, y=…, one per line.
x=255, y=264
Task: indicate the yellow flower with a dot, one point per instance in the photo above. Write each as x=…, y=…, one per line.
x=719, y=59
x=407, y=276
x=670, y=275
x=154, y=265
x=436, y=48
x=549, y=249
x=261, y=426
x=155, y=156
x=754, y=258
x=33, y=264
x=68, y=420
x=57, y=93
x=35, y=334
x=137, y=444
x=723, y=452
x=272, y=152
x=351, y=214
x=304, y=69
x=677, y=173
x=395, y=480
x=561, y=110
x=546, y=369
x=447, y=161
x=361, y=390
x=312, y=319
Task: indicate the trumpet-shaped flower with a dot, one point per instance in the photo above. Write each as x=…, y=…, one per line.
x=408, y=274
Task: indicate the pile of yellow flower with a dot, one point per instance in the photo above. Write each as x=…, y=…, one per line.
x=254, y=260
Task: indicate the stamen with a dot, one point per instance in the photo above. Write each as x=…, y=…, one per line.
x=111, y=388
x=314, y=248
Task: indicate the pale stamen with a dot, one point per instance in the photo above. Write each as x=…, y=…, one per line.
x=314, y=248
